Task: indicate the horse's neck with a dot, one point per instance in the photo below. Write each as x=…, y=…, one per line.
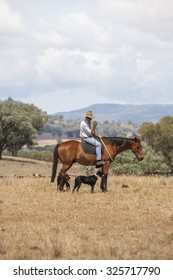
x=122, y=148
x=119, y=147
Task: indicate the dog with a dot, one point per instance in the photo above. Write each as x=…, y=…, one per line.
x=88, y=180
x=63, y=179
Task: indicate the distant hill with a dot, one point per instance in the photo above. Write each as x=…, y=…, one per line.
x=124, y=113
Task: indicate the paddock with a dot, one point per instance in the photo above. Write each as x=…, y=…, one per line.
x=37, y=222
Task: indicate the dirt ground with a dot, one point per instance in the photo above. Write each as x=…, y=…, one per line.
x=10, y=167
x=38, y=222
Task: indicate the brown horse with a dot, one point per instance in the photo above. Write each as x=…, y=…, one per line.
x=72, y=151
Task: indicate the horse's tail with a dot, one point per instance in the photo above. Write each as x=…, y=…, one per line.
x=55, y=163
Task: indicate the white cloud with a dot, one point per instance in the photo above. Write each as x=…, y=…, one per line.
x=80, y=31
x=72, y=31
x=73, y=68
x=96, y=51
x=149, y=16
x=15, y=68
x=15, y=65
x=10, y=21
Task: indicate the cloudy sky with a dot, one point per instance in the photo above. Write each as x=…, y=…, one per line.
x=63, y=55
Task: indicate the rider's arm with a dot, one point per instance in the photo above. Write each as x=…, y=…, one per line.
x=85, y=130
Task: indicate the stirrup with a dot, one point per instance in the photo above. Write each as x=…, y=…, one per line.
x=100, y=163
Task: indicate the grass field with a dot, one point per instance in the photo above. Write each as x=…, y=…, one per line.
x=37, y=222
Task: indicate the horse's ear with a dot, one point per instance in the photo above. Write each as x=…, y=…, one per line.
x=137, y=140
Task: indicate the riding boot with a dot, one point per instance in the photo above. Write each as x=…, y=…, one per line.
x=100, y=163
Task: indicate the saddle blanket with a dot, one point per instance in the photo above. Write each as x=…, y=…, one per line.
x=88, y=148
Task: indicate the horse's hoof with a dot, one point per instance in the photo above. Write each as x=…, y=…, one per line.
x=105, y=190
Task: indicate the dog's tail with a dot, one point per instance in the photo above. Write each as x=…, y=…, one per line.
x=55, y=163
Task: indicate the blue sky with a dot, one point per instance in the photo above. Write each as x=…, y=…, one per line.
x=62, y=55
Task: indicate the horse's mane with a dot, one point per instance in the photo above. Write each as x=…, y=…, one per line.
x=118, y=140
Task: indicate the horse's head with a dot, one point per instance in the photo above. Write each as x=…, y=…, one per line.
x=137, y=149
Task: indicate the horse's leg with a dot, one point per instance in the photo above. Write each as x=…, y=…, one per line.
x=105, y=170
x=66, y=167
x=103, y=184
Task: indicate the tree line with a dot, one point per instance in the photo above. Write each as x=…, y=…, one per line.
x=19, y=123
x=61, y=128
x=159, y=136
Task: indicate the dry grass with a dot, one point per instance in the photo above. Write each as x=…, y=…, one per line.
x=37, y=222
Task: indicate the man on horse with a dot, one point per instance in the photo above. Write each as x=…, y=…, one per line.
x=87, y=133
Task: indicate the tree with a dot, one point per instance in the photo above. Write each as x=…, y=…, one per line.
x=153, y=162
x=160, y=137
x=18, y=124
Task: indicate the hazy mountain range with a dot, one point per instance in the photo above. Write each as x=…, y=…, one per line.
x=123, y=113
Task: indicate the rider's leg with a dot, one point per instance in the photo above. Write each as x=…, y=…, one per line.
x=97, y=144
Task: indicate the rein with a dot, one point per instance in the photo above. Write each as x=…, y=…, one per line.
x=104, y=145
x=105, y=148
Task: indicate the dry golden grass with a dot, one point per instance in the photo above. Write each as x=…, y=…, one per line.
x=37, y=222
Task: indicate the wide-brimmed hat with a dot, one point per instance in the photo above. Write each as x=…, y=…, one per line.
x=89, y=115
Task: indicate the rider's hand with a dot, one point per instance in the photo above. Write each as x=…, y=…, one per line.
x=93, y=128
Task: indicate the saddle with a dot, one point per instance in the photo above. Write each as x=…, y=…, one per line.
x=89, y=149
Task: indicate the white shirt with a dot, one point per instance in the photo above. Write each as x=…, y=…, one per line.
x=85, y=129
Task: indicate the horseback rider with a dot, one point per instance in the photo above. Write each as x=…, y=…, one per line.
x=87, y=133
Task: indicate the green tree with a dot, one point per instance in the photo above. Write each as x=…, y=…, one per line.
x=153, y=162
x=160, y=137
x=18, y=124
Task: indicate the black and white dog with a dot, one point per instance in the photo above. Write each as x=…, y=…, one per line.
x=63, y=179
x=88, y=180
